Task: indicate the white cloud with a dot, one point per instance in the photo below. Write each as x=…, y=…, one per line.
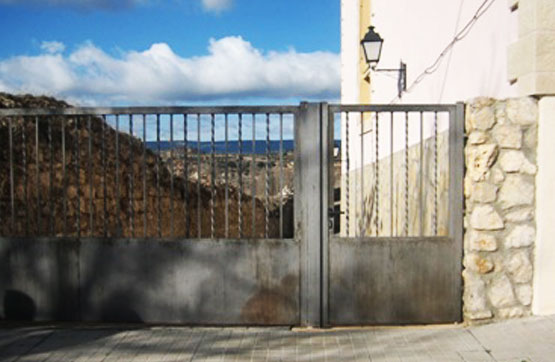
x=232, y=69
x=216, y=6
x=80, y=4
x=52, y=47
x=211, y=6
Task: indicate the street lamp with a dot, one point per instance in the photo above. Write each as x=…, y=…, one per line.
x=372, y=47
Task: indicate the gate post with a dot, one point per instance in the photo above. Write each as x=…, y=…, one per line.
x=308, y=206
x=456, y=190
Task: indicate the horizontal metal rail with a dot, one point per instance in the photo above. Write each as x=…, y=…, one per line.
x=336, y=108
x=99, y=111
x=126, y=172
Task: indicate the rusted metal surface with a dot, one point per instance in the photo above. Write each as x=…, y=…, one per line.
x=393, y=281
x=211, y=282
x=397, y=279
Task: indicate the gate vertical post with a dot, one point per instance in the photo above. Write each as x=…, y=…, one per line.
x=308, y=203
x=456, y=175
x=327, y=202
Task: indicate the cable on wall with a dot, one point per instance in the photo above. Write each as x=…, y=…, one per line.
x=482, y=9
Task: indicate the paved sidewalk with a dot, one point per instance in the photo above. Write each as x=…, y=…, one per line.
x=531, y=339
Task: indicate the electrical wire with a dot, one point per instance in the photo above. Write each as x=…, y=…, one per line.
x=458, y=37
x=447, y=66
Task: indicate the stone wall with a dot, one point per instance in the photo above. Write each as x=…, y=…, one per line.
x=499, y=238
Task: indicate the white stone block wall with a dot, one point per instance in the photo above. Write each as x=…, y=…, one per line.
x=500, y=227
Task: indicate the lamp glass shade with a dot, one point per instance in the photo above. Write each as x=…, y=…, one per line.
x=372, y=46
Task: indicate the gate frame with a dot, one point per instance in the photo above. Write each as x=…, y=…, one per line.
x=313, y=130
x=315, y=126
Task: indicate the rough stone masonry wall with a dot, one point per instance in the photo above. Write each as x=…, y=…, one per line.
x=499, y=192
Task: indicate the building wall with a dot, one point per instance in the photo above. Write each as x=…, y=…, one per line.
x=416, y=32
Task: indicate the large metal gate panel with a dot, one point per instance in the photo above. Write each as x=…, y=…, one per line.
x=152, y=214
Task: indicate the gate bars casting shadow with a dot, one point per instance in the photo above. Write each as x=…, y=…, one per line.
x=247, y=198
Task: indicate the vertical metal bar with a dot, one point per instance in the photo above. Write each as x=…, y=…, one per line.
x=172, y=171
x=118, y=219
x=281, y=175
x=347, y=172
x=199, y=216
x=25, y=183
x=406, y=225
x=37, y=169
x=362, y=206
x=421, y=177
x=377, y=174
x=64, y=177
x=212, y=174
x=131, y=179
x=186, y=212
x=158, y=198
x=391, y=165
x=51, y=176
x=12, y=199
x=327, y=203
x=144, y=179
x=77, y=176
x=253, y=171
x=104, y=188
x=89, y=166
x=240, y=175
x=434, y=217
x=267, y=188
x=226, y=178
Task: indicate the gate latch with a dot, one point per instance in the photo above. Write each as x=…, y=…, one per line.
x=332, y=213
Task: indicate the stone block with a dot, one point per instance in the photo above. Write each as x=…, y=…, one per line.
x=483, y=192
x=516, y=191
x=537, y=83
x=478, y=264
x=501, y=292
x=514, y=312
x=519, y=267
x=474, y=298
x=524, y=214
x=497, y=176
x=508, y=136
x=484, y=217
x=477, y=138
x=482, y=242
x=522, y=111
x=482, y=118
x=520, y=236
x=531, y=137
x=524, y=294
x=515, y=161
x=479, y=159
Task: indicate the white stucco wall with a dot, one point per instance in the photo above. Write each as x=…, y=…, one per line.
x=417, y=32
x=349, y=51
x=544, y=273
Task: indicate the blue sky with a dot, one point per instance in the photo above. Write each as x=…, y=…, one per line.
x=171, y=51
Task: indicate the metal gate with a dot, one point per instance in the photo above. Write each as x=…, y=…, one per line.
x=319, y=215
x=392, y=253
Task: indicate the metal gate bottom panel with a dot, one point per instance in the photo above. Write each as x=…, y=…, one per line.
x=393, y=281
x=211, y=282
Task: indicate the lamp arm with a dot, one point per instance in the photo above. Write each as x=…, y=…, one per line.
x=387, y=69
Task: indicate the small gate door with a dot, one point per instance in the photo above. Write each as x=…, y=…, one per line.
x=392, y=253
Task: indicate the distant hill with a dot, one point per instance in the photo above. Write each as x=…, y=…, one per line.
x=65, y=199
